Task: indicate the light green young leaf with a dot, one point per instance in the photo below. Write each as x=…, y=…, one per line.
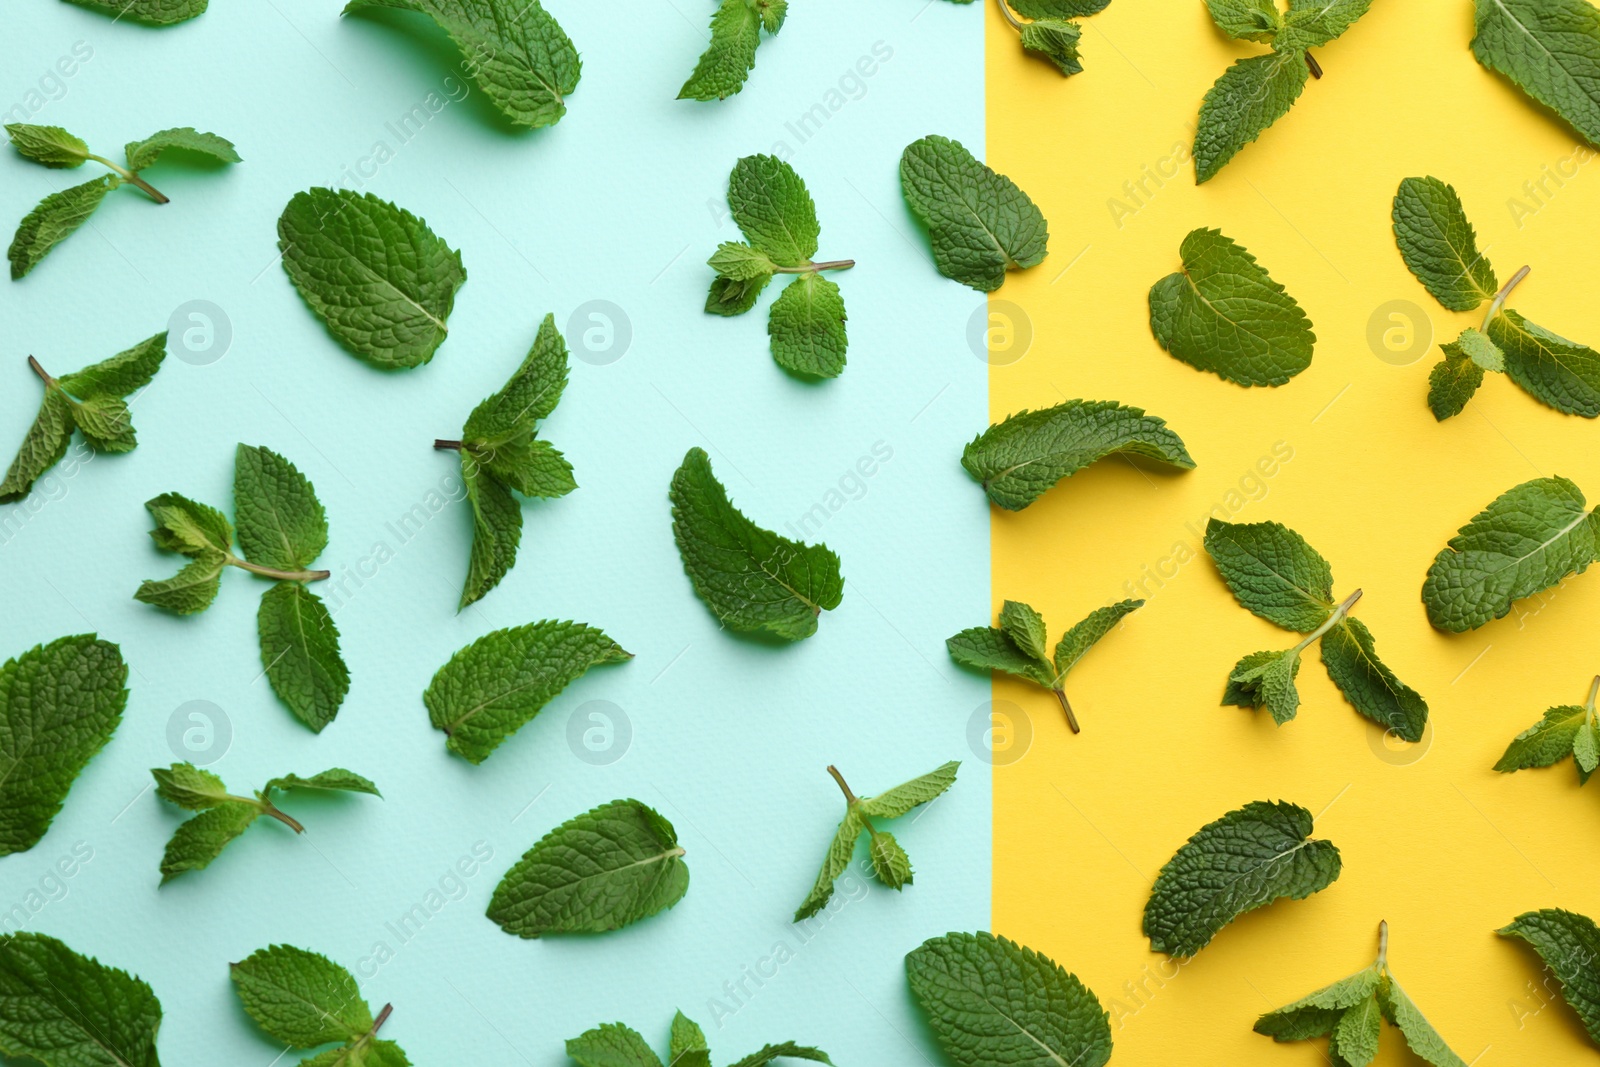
x=301, y=998
x=1553, y=370
x=105, y=423
x=753, y=580
x=1317, y=1014
x=840, y=850
x=496, y=531
x=1245, y=860
x=525, y=463
x=1550, y=49
x=1586, y=750
x=151, y=12
x=612, y=1045
x=991, y=1001
x=50, y=145
x=986, y=648
x=807, y=327
x=979, y=223
x=1476, y=346
x=1546, y=742
x=59, y=704
x=122, y=375
x=1018, y=459
x=787, y=1050
x=1351, y=657
x=1439, y=246
x=191, y=590
x=1531, y=537
x=731, y=55
x=189, y=787
x=1223, y=313
x=1314, y=23
x=43, y=446
x=890, y=863
x=1569, y=946
x=1273, y=572
x=1250, y=96
x=1266, y=680
x=1026, y=629
x=1419, y=1033
x=300, y=653
x=893, y=803
x=1058, y=9
x=497, y=684
x=54, y=220
x=1087, y=632
x=739, y=262
x=1056, y=41
x=281, y=523
x=142, y=154
x=688, y=1047
x=1355, y=1039
x=1452, y=382
x=374, y=273
x=63, y=1010
x=730, y=297
x=602, y=870
x=774, y=210
x=335, y=779
x=1247, y=20
x=187, y=527
x=196, y=843
x=514, y=49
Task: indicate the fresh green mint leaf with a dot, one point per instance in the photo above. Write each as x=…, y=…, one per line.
x=304, y=999
x=736, y=262
x=688, y=1048
x=1420, y=1035
x=986, y=648
x=1056, y=41
x=979, y=223
x=1314, y=23
x=729, y=297
x=1087, y=632
x=1223, y=313
x=1247, y=20
x=194, y=844
x=59, y=704
x=496, y=532
x=43, y=446
x=1319, y=1014
x=50, y=145
x=603, y=870
x=335, y=780
x=1439, y=246
x=187, y=527
x=189, y=787
x=788, y=1050
x=1531, y=537
x=1250, y=96
x=1026, y=629
x=1019, y=459
x=65, y=1010
x=1245, y=860
x=515, y=50
x=497, y=684
x=807, y=327
x=374, y=273
x=1553, y=370
x=1351, y=657
x=281, y=523
x=731, y=56
x=1476, y=346
x=1569, y=946
x=1266, y=680
x=753, y=580
x=300, y=653
x=1058, y=9
x=191, y=590
x=889, y=861
x=1550, y=49
x=1566, y=730
x=612, y=1044
x=1273, y=572
x=150, y=12
x=992, y=1001
x=56, y=218
x=142, y=154
x=1452, y=382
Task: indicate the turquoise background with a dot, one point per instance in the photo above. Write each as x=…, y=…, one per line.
x=621, y=202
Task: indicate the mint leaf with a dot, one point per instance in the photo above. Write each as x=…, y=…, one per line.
x=182, y=138
x=59, y=704
x=603, y=870
x=1247, y=20
x=300, y=653
x=1319, y=1014
x=64, y=1010
x=889, y=861
x=1056, y=41
x=615, y=1045
x=152, y=12
x=731, y=55
x=807, y=327
x=375, y=274
x=753, y=580
x=736, y=262
x=774, y=210
x=992, y=1001
x=1025, y=629
x=1351, y=657
x=1273, y=572
x=1565, y=730
x=1553, y=370
x=1529, y=538
x=1455, y=379
x=979, y=223
x=1245, y=860
x=43, y=446
x=688, y=1048
x=1550, y=49
x=1058, y=9
x=500, y=453
x=56, y=218
x=514, y=49
x=1420, y=1035
x=1266, y=680
x=304, y=999
x=1223, y=313
x=281, y=522
x=224, y=815
x=1439, y=246
x=50, y=145
x=1085, y=634
x=986, y=648
x=496, y=685
x=1250, y=96
x=1569, y=946
x=1313, y=23
x=729, y=296
x=1019, y=459
x=787, y=1050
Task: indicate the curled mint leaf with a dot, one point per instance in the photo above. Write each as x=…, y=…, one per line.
x=1569, y=946
x=979, y=223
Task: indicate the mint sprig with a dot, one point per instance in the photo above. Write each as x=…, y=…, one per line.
x=1049, y=32
x=1566, y=730
x=305, y=1000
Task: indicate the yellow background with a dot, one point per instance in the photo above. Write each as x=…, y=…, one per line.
x=1433, y=840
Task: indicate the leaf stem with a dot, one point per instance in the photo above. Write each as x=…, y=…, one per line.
x=1005, y=9
x=1061, y=695
x=813, y=268
x=269, y=808
x=129, y=176
x=1313, y=65
x=40, y=371
x=1333, y=620
x=282, y=576
x=1500, y=297
x=850, y=798
x=1594, y=691
x=383, y=1017
x=446, y=446
x=1383, y=943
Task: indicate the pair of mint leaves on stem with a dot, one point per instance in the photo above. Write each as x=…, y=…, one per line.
x=1018, y=646
x=890, y=863
x=778, y=218
x=59, y=705
x=307, y=1001
x=615, y=1045
x=1259, y=90
x=1566, y=730
x=281, y=530
x=61, y=213
x=1275, y=573
x=1349, y=1014
x=1049, y=32
x=726, y=63
x=224, y=816
x=1440, y=248
x=91, y=401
